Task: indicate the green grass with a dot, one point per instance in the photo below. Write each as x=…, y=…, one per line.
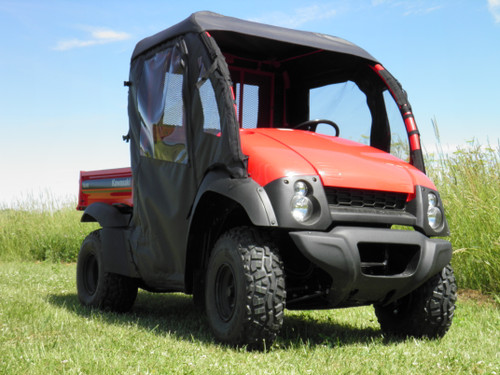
x=42, y=229
x=44, y=330
x=469, y=183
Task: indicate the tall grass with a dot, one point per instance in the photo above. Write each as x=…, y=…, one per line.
x=469, y=183
x=41, y=228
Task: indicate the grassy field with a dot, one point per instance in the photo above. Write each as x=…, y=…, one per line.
x=44, y=330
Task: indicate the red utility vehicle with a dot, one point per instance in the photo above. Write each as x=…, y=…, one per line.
x=236, y=196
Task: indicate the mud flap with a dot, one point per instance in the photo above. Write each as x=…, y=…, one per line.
x=116, y=252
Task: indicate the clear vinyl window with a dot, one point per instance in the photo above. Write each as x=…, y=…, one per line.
x=247, y=105
x=253, y=97
x=211, y=116
x=160, y=103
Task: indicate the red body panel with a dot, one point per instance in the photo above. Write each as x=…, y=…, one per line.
x=112, y=186
x=339, y=162
x=277, y=153
x=269, y=159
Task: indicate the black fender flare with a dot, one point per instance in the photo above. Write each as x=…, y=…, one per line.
x=248, y=194
x=106, y=215
x=244, y=191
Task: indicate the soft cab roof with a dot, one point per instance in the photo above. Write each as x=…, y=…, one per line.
x=213, y=22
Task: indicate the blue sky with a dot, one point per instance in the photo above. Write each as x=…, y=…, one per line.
x=64, y=108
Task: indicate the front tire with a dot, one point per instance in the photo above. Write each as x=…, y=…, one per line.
x=97, y=288
x=245, y=289
x=426, y=312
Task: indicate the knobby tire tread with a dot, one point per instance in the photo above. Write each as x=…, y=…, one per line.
x=114, y=292
x=426, y=312
x=265, y=287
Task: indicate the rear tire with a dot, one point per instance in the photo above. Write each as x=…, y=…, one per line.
x=97, y=288
x=426, y=312
x=245, y=289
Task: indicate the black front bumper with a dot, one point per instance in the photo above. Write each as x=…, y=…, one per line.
x=371, y=265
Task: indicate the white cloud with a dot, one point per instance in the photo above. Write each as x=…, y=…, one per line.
x=422, y=10
x=297, y=17
x=97, y=36
x=494, y=8
x=409, y=8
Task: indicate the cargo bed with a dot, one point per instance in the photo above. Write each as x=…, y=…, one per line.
x=111, y=186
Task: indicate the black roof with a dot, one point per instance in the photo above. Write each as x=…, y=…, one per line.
x=216, y=23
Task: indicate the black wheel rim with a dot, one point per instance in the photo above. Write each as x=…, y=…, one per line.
x=90, y=274
x=225, y=292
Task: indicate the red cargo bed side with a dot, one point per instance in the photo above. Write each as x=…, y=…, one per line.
x=111, y=186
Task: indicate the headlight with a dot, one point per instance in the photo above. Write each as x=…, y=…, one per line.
x=301, y=205
x=300, y=188
x=434, y=213
x=432, y=199
x=302, y=208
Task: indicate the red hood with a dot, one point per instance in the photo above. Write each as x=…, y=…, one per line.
x=276, y=153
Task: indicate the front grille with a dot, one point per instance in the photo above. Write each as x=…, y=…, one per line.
x=382, y=200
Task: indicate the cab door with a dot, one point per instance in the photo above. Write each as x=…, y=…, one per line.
x=164, y=180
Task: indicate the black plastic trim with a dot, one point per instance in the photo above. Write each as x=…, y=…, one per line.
x=414, y=214
x=117, y=257
x=244, y=191
x=418, y=207
x=371, y=215
x=281, y=192
x=337, y=253
x=106, y=215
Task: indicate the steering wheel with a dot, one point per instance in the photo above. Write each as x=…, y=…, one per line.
x=311, y=125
